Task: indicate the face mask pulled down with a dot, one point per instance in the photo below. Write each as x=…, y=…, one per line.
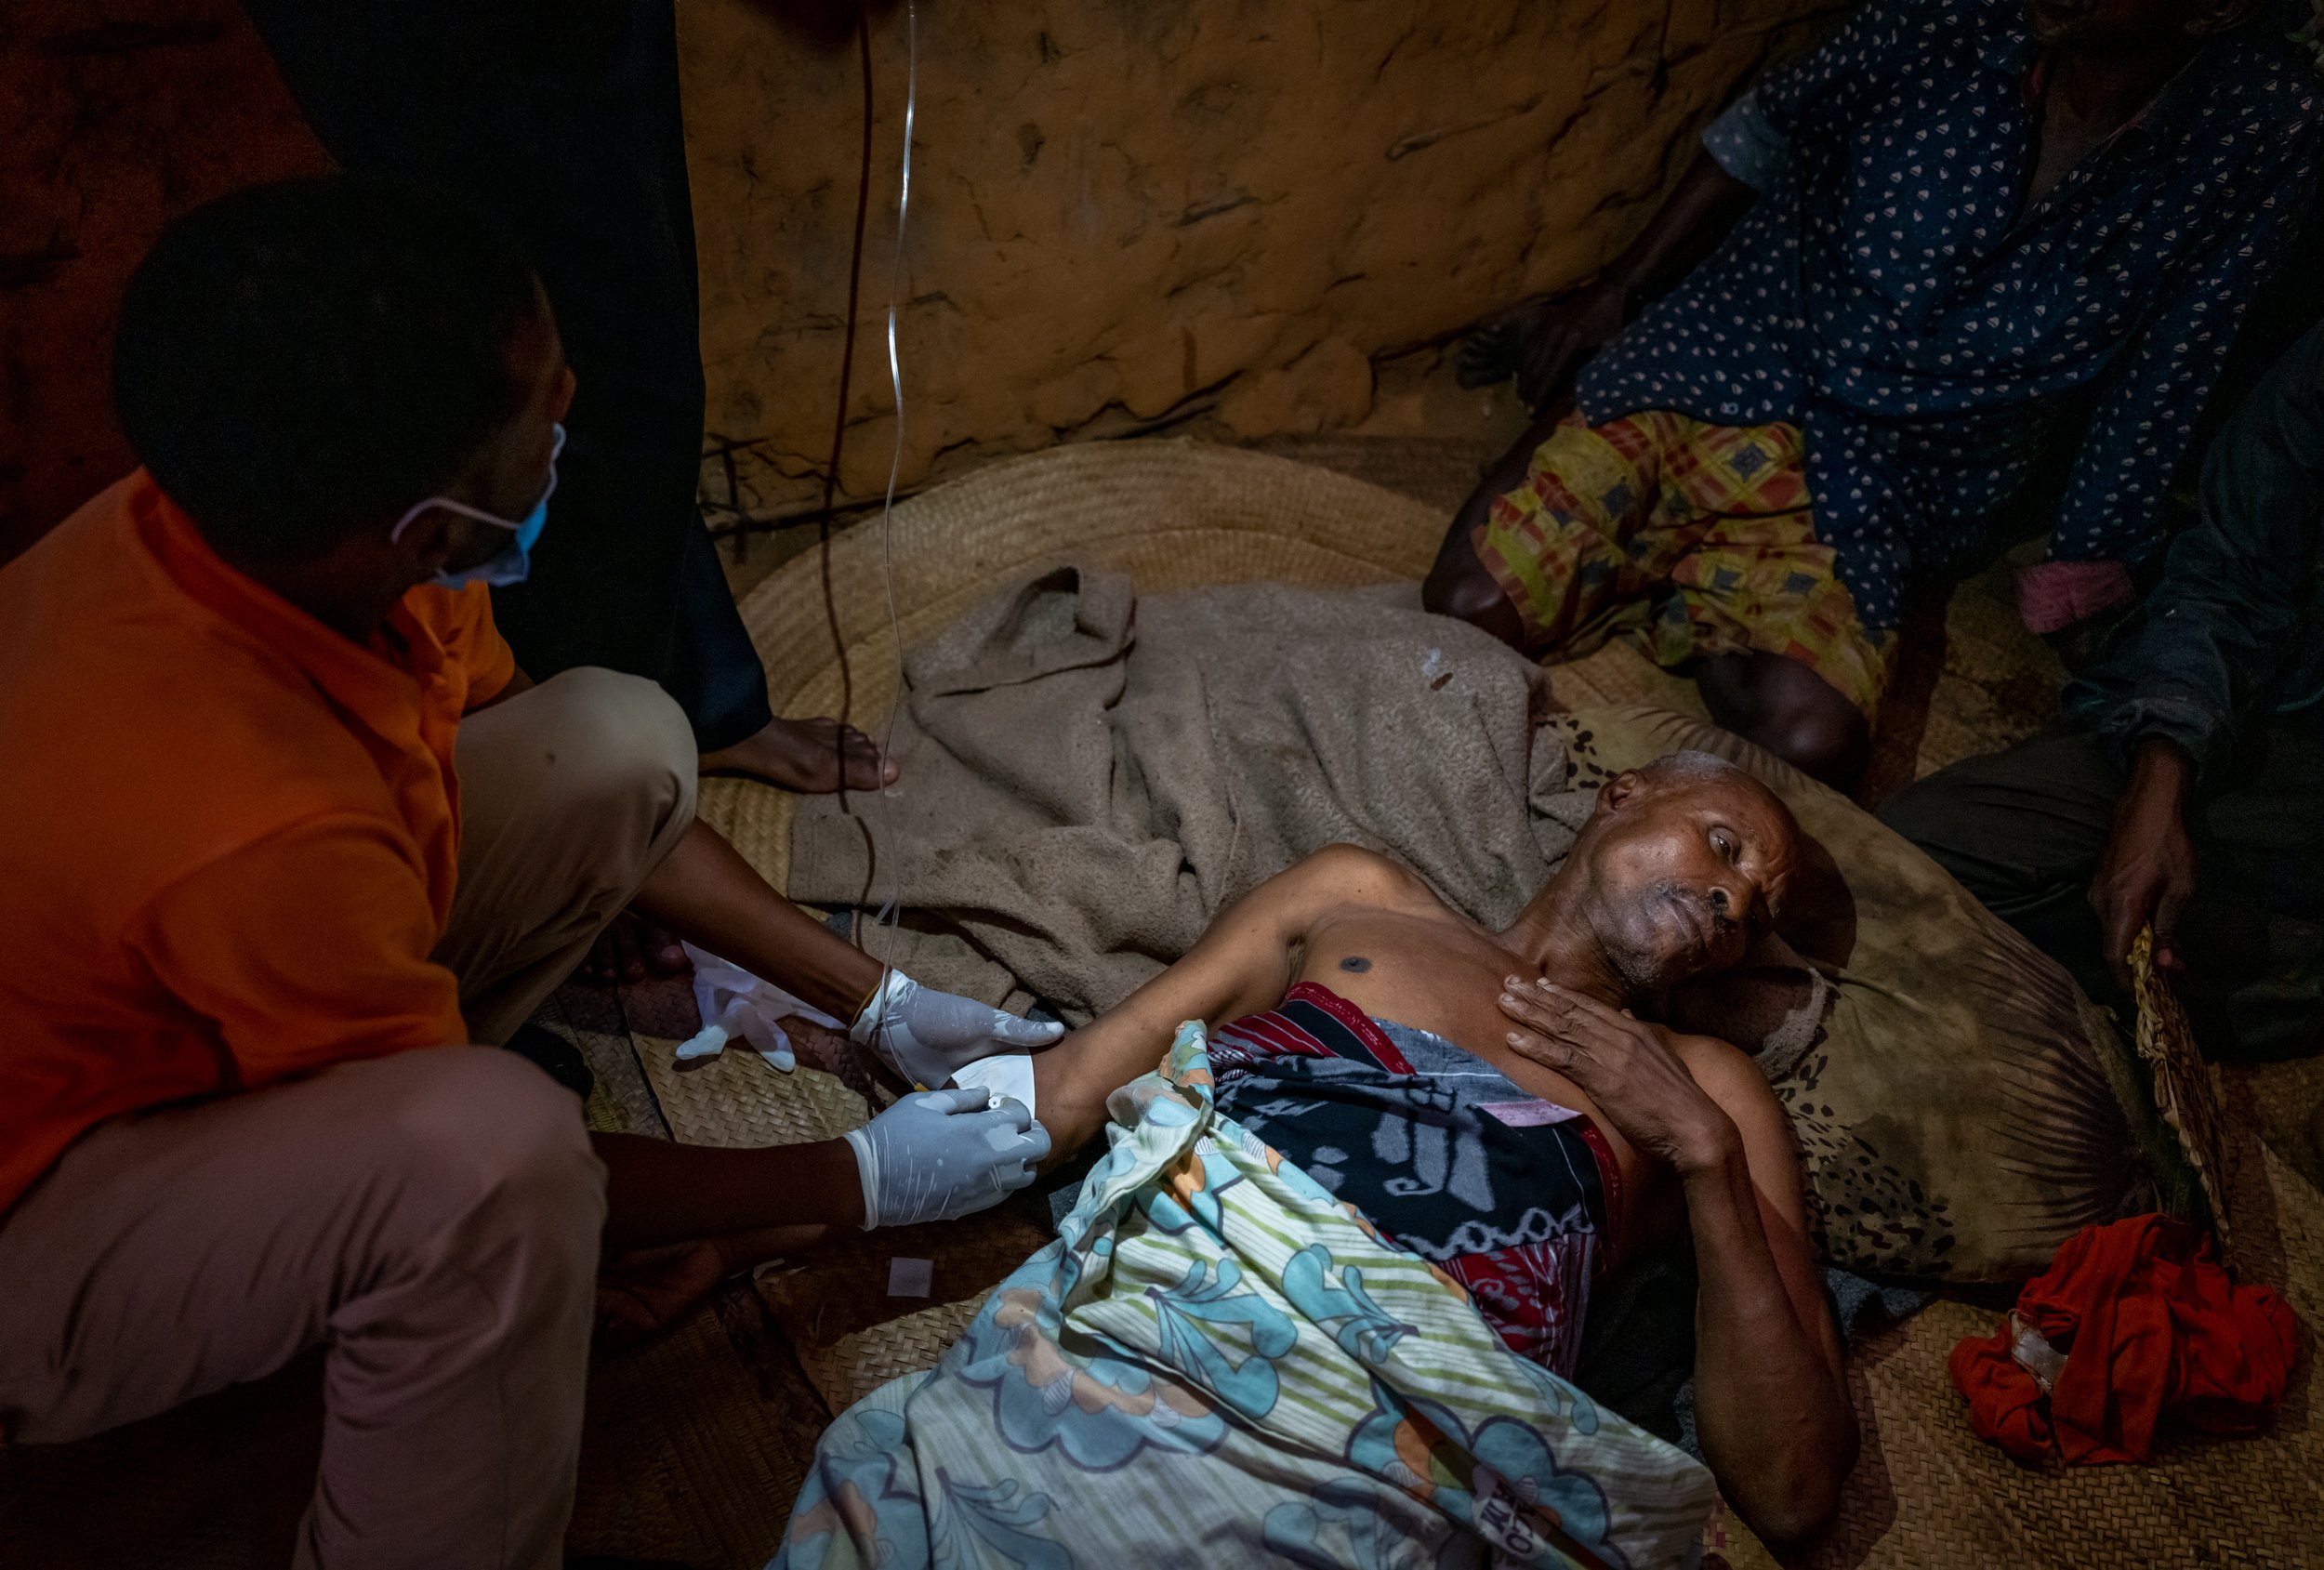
x=512, y=565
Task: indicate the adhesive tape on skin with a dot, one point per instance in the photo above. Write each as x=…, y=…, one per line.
x=1004, y=1074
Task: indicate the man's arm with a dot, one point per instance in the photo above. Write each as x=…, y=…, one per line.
x=1242, y=964
x=658, y=1192
x=1770, y=1400
x=2171, y=693
x=2147, y=873
x=706, y=893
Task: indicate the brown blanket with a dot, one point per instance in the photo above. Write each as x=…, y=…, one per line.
x=1089, y=776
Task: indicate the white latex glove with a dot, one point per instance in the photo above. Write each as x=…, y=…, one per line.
x=735, y=1003
x=937, y=1155
x=925, y=1034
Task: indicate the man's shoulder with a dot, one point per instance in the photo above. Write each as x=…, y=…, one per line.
x=1351, y=873
x=1334, y=881
x=153, y=747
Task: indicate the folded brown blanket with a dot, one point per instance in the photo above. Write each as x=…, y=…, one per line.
x=1090, y=775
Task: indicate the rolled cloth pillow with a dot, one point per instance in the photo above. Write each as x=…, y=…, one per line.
x=1964, y=1109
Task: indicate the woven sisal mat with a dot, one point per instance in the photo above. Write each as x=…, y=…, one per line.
x=850, y=1327
x=1927, y=1494
x=695, y=1444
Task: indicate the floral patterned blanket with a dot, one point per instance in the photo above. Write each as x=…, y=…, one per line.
x=1217, y=1362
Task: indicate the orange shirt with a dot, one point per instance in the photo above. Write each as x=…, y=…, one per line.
x=228, y=835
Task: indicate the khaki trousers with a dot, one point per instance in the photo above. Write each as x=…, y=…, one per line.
x=431, y=1219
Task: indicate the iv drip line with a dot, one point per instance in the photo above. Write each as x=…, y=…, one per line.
x=895, y=365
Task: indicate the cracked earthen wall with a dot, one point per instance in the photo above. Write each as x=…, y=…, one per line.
x=1127, y=214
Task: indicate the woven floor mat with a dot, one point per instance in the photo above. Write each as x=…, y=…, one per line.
x=591, y=1018
x=2280, y=1100
x=1928, y=1495
x=1437, y=471
x=852, y=1335
x=695, y=1444
x=736, y=1098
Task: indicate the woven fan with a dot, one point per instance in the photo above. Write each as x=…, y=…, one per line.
x=2182, y=1087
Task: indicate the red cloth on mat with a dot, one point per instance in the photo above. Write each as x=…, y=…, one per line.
x=2151, y=1327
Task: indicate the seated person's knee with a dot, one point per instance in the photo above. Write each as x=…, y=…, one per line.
x=627, y=720
x=613, y=735
x=1461, y=585
x=1819, y=740
x=1786, y=707
x=476, y=1131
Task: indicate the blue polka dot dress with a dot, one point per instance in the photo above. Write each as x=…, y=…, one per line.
x=1884, y=295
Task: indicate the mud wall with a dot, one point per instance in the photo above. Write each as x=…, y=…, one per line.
x=115, y=117
x=1127, y=214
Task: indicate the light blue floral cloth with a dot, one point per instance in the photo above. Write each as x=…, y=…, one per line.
x=1217, y=1363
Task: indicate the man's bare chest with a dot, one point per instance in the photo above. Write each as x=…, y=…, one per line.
x=1438, y=974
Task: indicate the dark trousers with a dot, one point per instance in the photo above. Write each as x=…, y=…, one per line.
x=560, y=123
x=2024, y=829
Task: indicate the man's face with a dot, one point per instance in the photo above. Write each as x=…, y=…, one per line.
x=1685, y=873
x=2102, y=25
x=511, y=474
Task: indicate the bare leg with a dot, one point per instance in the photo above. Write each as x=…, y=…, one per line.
x=631, y=950
x=1461, y=585
x=808, y=755
x=1789, y=709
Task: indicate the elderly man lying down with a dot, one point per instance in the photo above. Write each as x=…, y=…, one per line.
x=1317, y=1304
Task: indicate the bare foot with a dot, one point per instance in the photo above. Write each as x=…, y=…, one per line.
x=805, y=756
x=631, y=950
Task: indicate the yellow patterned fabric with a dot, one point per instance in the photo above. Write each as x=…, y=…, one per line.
x=1689, y=539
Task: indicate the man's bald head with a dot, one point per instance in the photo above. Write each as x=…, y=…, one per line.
x=1685, y=863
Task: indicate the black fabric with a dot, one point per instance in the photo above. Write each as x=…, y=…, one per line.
x=561, y=123
x=555, y=1057
x=2024, y=829
x=1421, y=1149
x=1505, y=1193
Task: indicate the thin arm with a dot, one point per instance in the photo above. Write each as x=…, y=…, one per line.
x=1770, y=1398
x=1688, y=228
x=708, y=895
x=1242, y=964
x=657, y=1192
